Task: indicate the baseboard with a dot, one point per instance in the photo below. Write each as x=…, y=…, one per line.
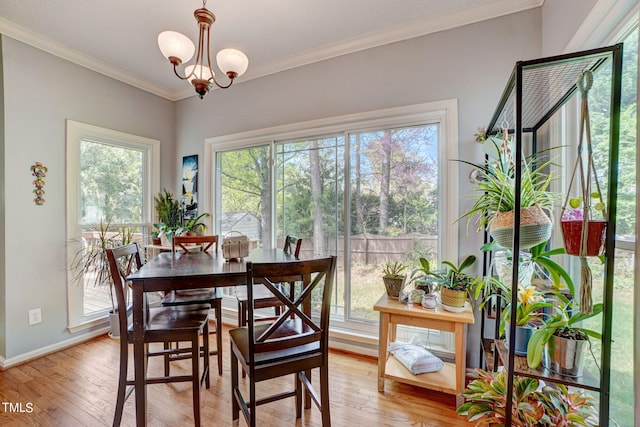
x=43, y=351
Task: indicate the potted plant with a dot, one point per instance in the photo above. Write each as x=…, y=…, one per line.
x=393, y=277
x=574, y=223
x=562, y=342
x=169, y=216
x=90, y=266
x=495, y=204
x=423, y=277
x=532, y=405
x=529, y=306
x=545, y=270
x=455, y=284
x=194, y=225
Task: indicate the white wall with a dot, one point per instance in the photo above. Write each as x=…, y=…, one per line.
x=470, y=63
x=40, y=92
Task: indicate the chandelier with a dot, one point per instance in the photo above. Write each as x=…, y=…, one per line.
x=178, y=48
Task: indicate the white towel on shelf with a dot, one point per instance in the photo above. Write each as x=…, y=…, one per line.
x=416, y=358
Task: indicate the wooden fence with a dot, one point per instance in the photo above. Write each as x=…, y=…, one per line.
x=375, y=249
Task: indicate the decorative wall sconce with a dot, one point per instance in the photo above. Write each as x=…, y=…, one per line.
x=39, y=171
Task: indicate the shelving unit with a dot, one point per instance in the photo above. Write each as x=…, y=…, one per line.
x=535, y=91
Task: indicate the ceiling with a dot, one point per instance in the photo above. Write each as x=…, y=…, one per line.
x=119, y=37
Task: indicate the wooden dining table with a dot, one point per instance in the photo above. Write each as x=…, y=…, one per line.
x=176, y=271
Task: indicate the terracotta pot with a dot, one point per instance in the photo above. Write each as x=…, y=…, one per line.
x=596, y=236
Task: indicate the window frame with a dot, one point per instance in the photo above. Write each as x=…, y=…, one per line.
x=76, y=133
x=444, y=113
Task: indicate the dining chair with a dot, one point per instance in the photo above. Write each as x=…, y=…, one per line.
x=262, y=297
x=295, y=343
x=211, y=296
x=162, y=325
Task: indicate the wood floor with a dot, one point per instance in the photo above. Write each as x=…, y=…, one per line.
x=77, y=387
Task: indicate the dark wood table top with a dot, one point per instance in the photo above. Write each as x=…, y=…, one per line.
x=183, y=270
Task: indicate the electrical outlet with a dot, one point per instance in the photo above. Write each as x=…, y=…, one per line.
x=35, y=316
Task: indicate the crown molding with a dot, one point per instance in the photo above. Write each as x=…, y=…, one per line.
x=605, y=18
x=405, y=31
x=36, y=40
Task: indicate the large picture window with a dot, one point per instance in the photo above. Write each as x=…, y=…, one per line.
x=109, y=190
x=367, y=188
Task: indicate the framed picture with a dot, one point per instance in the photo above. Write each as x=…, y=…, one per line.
x=190, y=186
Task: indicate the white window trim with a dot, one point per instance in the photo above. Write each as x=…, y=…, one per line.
x=445, y=113
x=76, y=133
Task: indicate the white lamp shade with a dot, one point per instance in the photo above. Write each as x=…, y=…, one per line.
x=200, y=72
x=232, y=60
x=172, y=43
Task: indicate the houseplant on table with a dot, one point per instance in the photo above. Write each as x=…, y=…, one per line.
x=169, y=216
x=194, y=225
x=455, y=285
x=393, y=277
x=496, y=192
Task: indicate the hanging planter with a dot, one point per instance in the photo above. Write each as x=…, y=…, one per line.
x=535, y=227
x=496, y=195
x=594, y=232
x=583, y=235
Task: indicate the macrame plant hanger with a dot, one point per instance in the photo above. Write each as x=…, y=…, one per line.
x=584, y=85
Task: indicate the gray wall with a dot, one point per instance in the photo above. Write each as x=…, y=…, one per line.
x=560, y=21
x=471, y=63
x=40, y=92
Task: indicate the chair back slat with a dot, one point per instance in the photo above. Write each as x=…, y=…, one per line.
x=181, y=242
x=123, y=261
x=292, y=245
x=295, y=326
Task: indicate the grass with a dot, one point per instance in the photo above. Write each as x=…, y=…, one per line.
x=621, y=406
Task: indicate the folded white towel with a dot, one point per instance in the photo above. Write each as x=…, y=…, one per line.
x=416, y=358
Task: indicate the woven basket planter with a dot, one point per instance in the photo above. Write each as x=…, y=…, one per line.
x=453, y=298
x=596, y=235
x=535, y=227
x=393, y=286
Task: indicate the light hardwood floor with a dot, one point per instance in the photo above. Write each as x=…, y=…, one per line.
x=77, y=387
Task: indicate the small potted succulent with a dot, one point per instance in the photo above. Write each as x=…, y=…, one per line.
x=393, y=277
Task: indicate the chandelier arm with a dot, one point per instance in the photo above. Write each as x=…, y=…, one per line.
x=175, y=71
x=219, y=85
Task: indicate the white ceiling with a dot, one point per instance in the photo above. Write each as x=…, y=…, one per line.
x=119, y=37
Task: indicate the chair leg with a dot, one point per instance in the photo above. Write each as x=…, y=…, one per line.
x=324, y=395
x=235, y=407
x=219, y=334
x=205, y=355
x=299, y=388
x=195, y=377
x=252, y=404
x=122, y=383
x=307, y=395
x=167, y=369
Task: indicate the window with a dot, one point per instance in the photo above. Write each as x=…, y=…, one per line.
x=108, y=183
x=622, y=367
x=367, y=188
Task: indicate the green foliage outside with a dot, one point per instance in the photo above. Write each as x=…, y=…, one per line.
x=110, y=183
